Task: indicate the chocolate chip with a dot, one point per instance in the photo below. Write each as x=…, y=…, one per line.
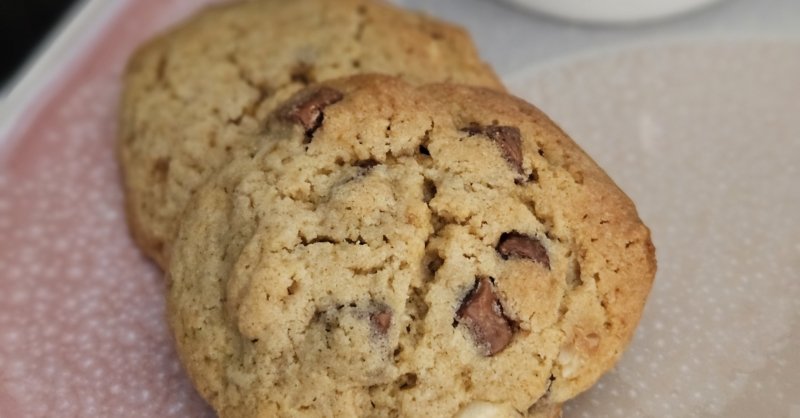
x=482, y=314
x=306, y=108
x=508, y=138
x=514, y=244
x=381, y=320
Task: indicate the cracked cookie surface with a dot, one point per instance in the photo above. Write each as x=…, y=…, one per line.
x=195, y=96
x=391, y=250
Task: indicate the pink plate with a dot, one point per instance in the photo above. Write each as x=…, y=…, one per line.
x=82, y=330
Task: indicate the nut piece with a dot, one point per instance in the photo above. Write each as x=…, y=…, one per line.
x=482, y=409
x=508, y=138
x=306, y=108
x=482, y=314
x=514, y=244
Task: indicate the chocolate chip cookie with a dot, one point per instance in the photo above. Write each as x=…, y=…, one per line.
x=393, y=250
x=195, y=95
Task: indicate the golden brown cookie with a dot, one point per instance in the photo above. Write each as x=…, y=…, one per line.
x=392, y=251
x=195, y=95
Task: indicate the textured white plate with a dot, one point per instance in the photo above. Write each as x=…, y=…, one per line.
x=706, y=139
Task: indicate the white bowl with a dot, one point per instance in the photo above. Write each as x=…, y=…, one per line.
x=611, y=11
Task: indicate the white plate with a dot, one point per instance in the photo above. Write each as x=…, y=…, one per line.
x=705, y=137
x=612, y=11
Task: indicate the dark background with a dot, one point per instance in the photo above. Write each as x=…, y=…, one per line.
x=23, y=25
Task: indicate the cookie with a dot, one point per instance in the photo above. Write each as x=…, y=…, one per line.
x=393, y=250
x=194, y=96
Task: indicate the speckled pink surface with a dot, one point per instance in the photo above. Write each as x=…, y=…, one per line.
x=82, y=330
x=705, y=138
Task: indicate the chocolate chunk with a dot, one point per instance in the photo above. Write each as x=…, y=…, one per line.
x=508, y=138
x=482, y=314
x=514, y=244
x=381, y=320
x=306, y=108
